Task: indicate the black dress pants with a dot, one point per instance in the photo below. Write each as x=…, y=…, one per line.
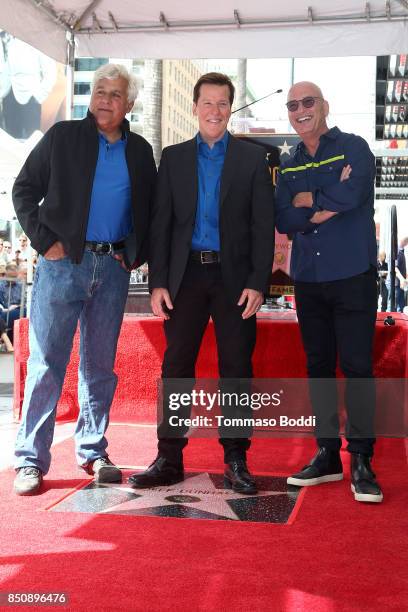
x=338, y=318
x=203, y=295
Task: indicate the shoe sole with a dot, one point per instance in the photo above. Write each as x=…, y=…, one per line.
x=137, y=485
x=228, y=485
x=367, y=497
x=299, y=482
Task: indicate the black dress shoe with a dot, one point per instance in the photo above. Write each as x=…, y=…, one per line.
x=363, y=482
x=237, y=478
x=326, y=466
x=159, y=473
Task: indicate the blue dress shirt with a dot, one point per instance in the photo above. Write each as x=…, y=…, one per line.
x=110, y=214
x=345, y=245
x=206, y=235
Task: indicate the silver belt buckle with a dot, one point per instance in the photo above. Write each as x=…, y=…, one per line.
x=202, y=257
x=100, y=248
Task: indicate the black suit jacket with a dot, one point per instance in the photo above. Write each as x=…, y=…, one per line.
x=246, y=217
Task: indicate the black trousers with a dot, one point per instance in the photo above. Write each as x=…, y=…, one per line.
x=337, y=318
x=203, y=295
x=384, y=295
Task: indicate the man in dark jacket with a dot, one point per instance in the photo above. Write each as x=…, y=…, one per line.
x=212, y=238
x=95, y=178
x=325, y=198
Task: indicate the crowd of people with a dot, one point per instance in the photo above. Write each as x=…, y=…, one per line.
x=401, y=279
x=13, y=273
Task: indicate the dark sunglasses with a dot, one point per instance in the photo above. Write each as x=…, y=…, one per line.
x=307, y=102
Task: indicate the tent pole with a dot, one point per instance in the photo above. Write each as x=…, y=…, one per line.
x=71, y=76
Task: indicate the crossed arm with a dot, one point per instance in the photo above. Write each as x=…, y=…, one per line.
x=303, y=212
x=304, y=199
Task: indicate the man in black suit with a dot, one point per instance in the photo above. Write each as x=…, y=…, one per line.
x=211, y=251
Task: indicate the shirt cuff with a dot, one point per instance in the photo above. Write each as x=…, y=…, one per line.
x=310, y=226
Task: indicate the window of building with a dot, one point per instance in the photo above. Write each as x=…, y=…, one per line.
x=137, y=67
x=79, y=111
x=82, y=89
x=90, y=63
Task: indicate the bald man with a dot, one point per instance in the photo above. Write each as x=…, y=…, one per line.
x=325, y=199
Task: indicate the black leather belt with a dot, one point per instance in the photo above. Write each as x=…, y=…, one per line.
x=104, y=247
x=205, y=257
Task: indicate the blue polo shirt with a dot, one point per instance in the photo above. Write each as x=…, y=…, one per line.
x=345, y=245
x=110, y=214
x=206, y=236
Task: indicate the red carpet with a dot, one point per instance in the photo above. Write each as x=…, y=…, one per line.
x=338, y=555
x=278, y=354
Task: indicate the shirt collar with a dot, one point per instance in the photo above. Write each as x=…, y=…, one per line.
x=332, y=134
x=103, y=140
x=223, y=141
x=125, y=125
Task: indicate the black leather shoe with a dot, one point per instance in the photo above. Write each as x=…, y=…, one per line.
x=159, y=473
x=363, y=482
x=237, y=478
x=325, y=466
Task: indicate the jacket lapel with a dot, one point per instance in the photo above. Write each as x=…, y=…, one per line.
x=189, y=171
x=229, y=168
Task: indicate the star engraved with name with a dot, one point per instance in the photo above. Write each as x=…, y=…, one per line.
x=207, y=497
x=199, y=496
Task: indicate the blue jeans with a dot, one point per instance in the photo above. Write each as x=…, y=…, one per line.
x=93, y=292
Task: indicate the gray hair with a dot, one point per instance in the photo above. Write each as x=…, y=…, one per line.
x=116, y=71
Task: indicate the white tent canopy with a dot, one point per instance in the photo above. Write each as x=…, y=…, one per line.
x=214, y=29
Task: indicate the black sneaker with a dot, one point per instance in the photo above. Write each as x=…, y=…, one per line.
x=28, y=480
x=326, y=466
x=159, y=473
x=103, y=470
x=363, y=482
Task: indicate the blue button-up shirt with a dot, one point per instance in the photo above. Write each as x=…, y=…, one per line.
x=345, y=245
x=206, y=236
x=110, y=214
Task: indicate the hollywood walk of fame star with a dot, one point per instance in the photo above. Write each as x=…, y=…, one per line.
x=198, y=496
x=285, y=148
